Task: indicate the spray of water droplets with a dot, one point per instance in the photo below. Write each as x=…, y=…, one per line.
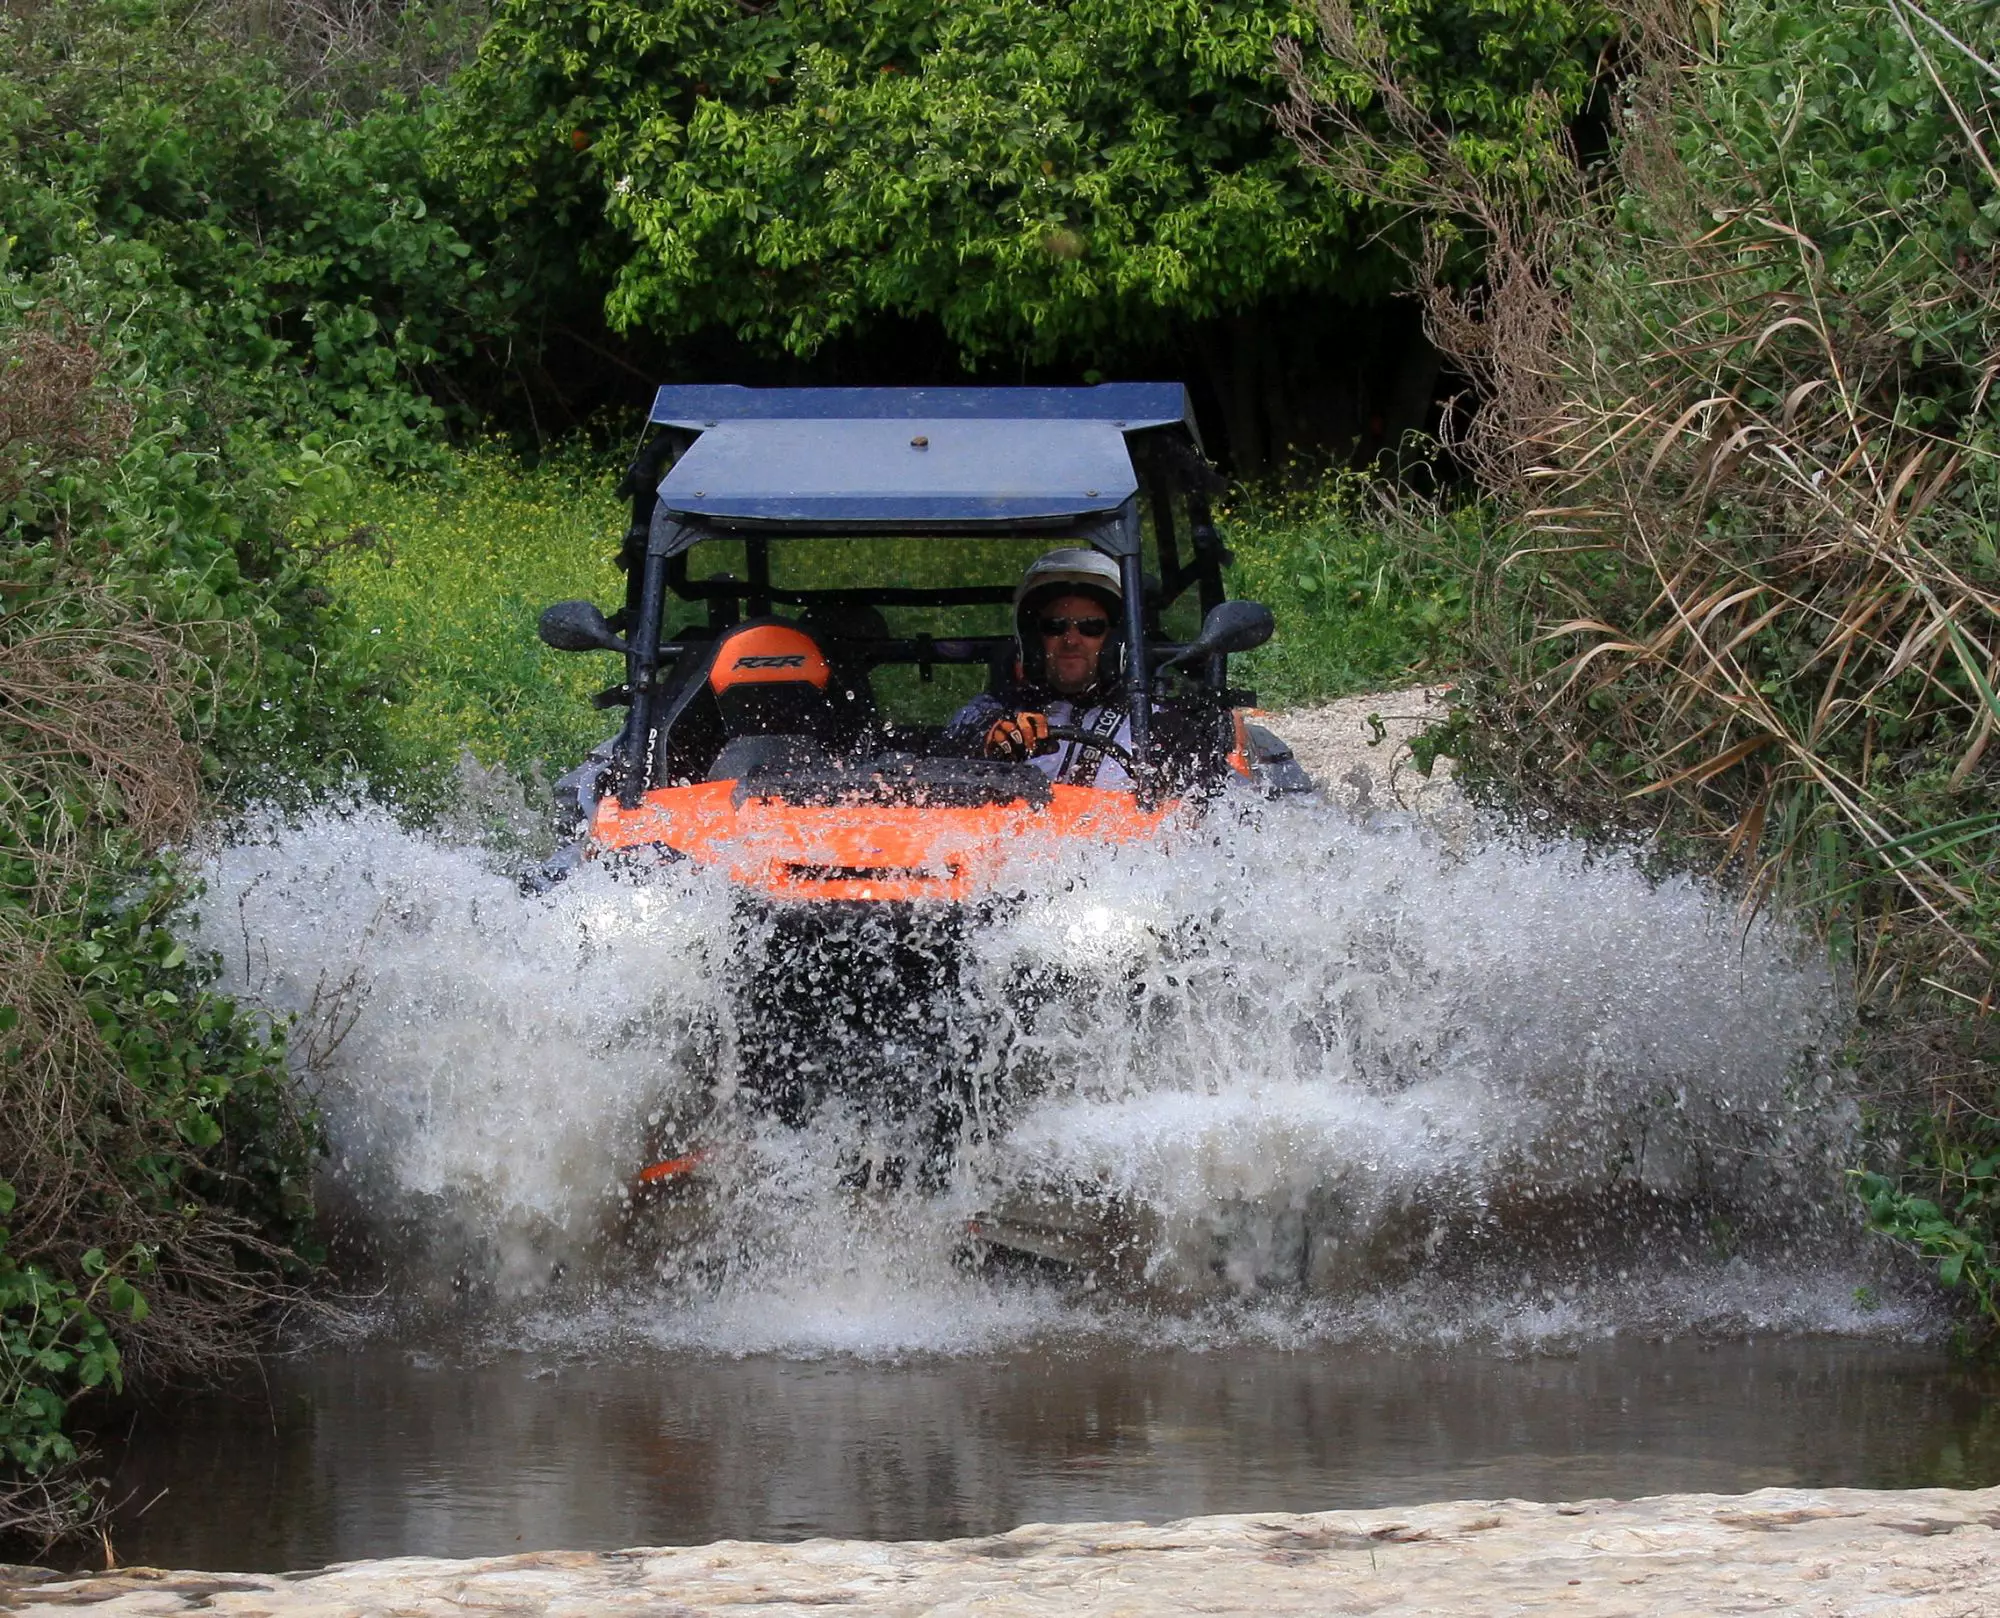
x=1300, y=1077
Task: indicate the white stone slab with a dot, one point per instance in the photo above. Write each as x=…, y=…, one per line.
x=1830, y=1553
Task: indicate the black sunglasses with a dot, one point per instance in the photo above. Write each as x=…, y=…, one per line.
x=1088, y=628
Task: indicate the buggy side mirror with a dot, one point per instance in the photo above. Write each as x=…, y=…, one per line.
x=577, y=626
x=1231, y=626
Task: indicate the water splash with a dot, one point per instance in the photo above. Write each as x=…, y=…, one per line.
x=1326, y=1079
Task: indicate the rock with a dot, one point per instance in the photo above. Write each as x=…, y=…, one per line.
x=1917, y=1553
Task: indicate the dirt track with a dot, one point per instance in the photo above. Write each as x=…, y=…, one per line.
x=1358, y=749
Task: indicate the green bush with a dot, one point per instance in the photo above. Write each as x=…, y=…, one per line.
x=1958, y=1236
x=54, y=1347
x=289, y=263
x=257, y=288
x=147, y=1118
x=213, y=544
x=207, y=1108
x=140, y=1115
x=1042, y=177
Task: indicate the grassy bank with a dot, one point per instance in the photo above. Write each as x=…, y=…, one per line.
x=441, y=597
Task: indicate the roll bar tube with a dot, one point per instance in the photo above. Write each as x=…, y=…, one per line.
x=642, y=667
x=1138, y=677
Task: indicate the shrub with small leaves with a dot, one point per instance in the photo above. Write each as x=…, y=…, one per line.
x=1951, y=1235
x=55, y=1346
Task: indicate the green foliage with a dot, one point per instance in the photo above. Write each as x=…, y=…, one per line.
x=55, y=1346
x=1781, y=396
x=1957, y=1237
x=141, y=1115
x=1846, y=118
x=254, y=286
x=443, y=602
x=209, y=1108
x=155, y=175
x=211, y=544
x=1043, y=179
x=1369, y=588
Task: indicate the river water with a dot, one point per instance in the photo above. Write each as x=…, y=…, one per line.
x=1420, y=1167
x=385, y=1451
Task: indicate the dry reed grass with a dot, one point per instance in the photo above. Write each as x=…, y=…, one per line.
x=53, y=410
x=353, y=49
x=1750, y=597
x=97, y=696
x=96, y=715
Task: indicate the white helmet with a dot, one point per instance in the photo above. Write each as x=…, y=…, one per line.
x=1079, y=569
x=1074, y=567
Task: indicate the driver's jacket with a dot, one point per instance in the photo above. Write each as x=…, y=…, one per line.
x=1072, y=762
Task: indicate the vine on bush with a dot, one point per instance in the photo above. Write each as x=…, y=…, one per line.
x=55, y=1346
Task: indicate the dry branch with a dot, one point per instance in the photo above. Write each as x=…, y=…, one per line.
x=54, y=408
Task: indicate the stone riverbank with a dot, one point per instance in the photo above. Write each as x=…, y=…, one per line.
x=1918, y=1553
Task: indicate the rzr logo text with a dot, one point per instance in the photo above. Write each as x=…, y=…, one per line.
x=790, y=660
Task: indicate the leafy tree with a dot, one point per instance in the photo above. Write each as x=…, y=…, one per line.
x=1045, y=180
x=248, y=228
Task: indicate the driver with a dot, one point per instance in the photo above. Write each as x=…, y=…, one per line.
x=1069, y=642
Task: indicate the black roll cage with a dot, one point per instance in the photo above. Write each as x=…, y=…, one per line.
x=654, y=556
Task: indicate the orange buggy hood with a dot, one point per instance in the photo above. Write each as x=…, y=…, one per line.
x=862, y=849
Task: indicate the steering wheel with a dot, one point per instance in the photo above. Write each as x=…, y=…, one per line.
x=1124, y=755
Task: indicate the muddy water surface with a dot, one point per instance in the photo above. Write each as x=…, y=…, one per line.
x=387, y=1452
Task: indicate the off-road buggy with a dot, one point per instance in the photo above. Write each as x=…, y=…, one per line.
x=815, y=579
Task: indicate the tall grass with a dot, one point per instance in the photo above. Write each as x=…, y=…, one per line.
x=1738, y=409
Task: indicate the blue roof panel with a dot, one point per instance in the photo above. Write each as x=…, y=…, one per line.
x=904, y=472
x=1131, y=406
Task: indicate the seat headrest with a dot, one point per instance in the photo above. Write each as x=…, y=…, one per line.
x=768, y=654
